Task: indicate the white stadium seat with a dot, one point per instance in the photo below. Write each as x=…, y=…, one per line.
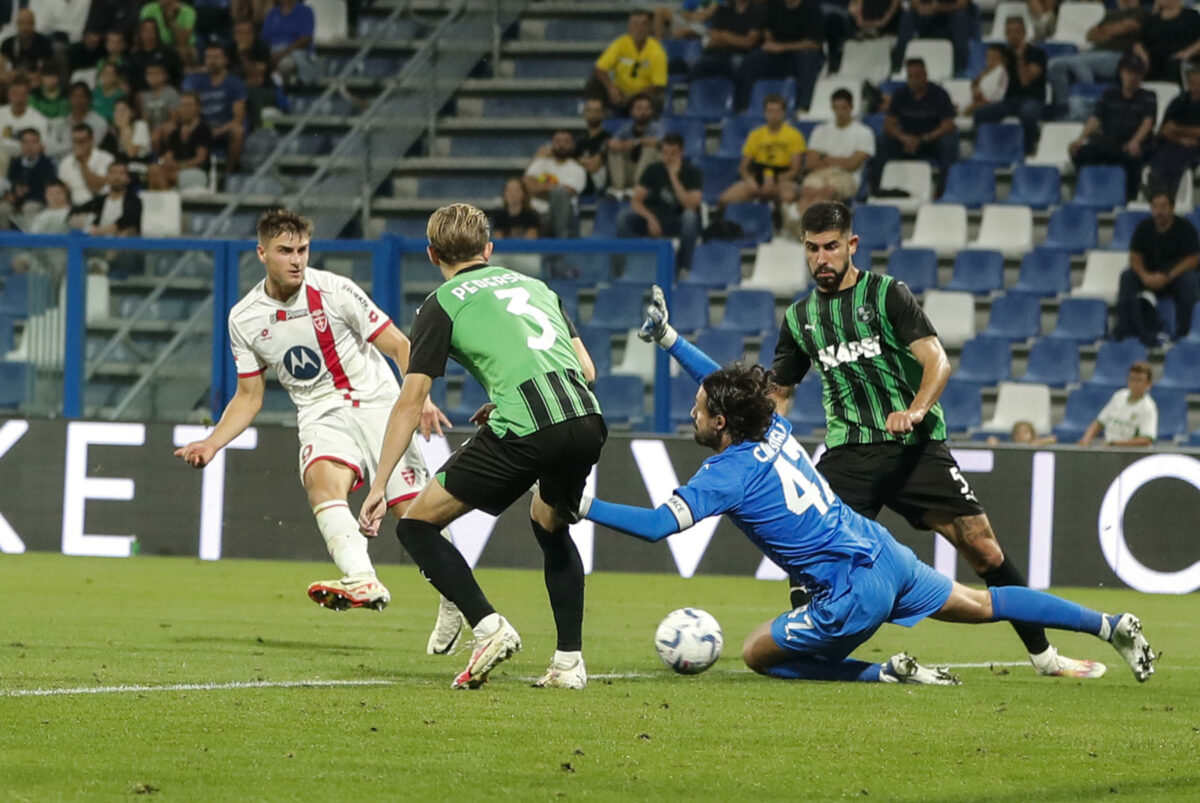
x=913, y=176
x=779, y=266
x=1021, y=401
x=1102, y=275
x=1052, y=146
x=162, y=213
x=638, y=359
x=952, y=314
x=1006, y=10
x=1007, y=229
x=942, y=227
x=1075, y=20
x=938, y=55
x=823, y=89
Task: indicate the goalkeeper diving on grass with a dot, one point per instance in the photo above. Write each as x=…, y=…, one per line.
x=849, y=574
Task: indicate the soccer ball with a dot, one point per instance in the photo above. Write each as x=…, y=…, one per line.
x=689, y=641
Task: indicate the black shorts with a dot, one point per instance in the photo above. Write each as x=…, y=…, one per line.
x=490, y=473
x=911, y=480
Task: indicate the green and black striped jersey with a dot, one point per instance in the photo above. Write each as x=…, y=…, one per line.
x=859, y=340
x=510, y=332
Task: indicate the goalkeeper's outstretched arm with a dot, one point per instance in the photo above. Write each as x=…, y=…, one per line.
x=657, y=328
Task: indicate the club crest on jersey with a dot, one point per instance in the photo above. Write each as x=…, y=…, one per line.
x=302, y=362
x=837, y=354
x=864, y=314
x=319, y=320
x=409, y=476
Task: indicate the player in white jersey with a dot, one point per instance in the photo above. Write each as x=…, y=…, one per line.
x=326, y=340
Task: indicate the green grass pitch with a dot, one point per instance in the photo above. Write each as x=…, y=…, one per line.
x=637, y=732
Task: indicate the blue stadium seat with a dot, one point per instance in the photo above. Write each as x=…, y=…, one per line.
x=568, y=291
x=1113, y=361
x=999, y=144
x=682, y=53
x=734, y=132
x=1081, y=320
x=1172, y=411
x=622, y=399
x=1044, y=272
x=1165, y=307
x=1083, y=95
x=1100, y=187
x=715, y=265
x=683, y=397
x=1083, y=405
x=522, y=106
x=493, y=145
x=689, y=307
x=6, y=334
x=807, y=411
x=723, y=345
x=1123, y=227
x=13, y=377
x=772, y=86
x=692, y=131
x=1015, y=316
x=710, y=99
x=581, y=29
x=977, y=271
x=755, y=220
x=599, y=345
x=605, y=223
x=14, y=297
x=1054, y=49
x=562, y=66
x=473, y=397
x=916, y=267
x=877, y=227
x=766, y=350
x=618, y=308
x=1193, y=334
x=985, y=361
x=589, y=267
x=720, y=172
x=1181, y=369
x=1072, y=228
x=640, y=272
x=749, y=312
x=1035, y=186
x=1054, y=362
x=962, y=402
x=971, y=184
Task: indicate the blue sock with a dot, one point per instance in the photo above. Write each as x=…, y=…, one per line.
x=1019, y=604
x=807, y=668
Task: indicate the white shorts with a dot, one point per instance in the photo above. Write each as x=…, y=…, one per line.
x=353, y=437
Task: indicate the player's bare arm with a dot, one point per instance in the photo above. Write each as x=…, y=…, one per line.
x=402, y=423
x=393, y=343
x=585, y=359
x=238, y=415
x=935, y=373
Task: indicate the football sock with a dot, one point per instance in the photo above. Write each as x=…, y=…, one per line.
x=1019, y=604
x=347, y=546
x=444, y=567
x=809, y=668
x=564, y=584
x=565, y=659
x=1007, y=574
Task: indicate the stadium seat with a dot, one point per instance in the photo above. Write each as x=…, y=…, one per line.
x=734, y=132
x=568, y=292
x=720, y=172
x=971, y=184
x=1018, y=401
x=962, y=403
x=640, y=272
x=605, y=223
x=1053, y=362
x=710, y=99
x=590, y=267
x=952, y=314
x=599, y=345
x=1123, y=227
x=1015, y=316
x=772, y=86
x=1052, y=146
x=1113, y=361
x=162, y=213
x=6, y=335
x=622, y=399
x=749, y=312
x=723, y=345
x=908, y=175
x=916, y=267
x=683, y=397
x=14, y=297
x=715, y=265
x=1075, y=20
x=999, y=144
x=681, y=52
x=1193, y=334
x=1083, y=405
x=1100, y=187
x=638, y=359
x=877, y=227
x=1072, y=228
x=942, y=227
x=1164, y=92
x=1007, y=229
x=692, y=131
x=779, y=266
x=867, y=60
x=938, y=55
x=978, y=272
x=755, y=220
x=822, y=96
x=1102, y=275
x=807, y=411
x=1044, y=272
x=13, y=379
x=766, y=349
x=1172, y=412
x=1082, y=320
x=1056, y=49
x=618, y=308
x=985, y=361
x=1181, y=369
x=1000, y=16
x=1036, y=186
x=331, y=20
x=1082, y=97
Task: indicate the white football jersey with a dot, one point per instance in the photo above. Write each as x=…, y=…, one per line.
x=318, y=342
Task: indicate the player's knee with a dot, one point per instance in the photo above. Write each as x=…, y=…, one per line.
x=753, y=654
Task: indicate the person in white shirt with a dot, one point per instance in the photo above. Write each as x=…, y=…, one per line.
x=326, y=341
x=65, y=17
x=554, y=183
x=59, y=143
x=1131, y=417
x=54, y=219
x=16, y=116
x=85, y=171
x=837, y=152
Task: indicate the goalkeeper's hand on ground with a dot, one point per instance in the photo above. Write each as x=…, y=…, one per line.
x=657, y=327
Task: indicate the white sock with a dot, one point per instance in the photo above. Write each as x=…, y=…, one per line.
x=487, y=625
x=347, y=546
x=566, y=660
x=1044, y=658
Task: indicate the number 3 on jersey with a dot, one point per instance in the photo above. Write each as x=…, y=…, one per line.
x=799, y=491
x=518, y=304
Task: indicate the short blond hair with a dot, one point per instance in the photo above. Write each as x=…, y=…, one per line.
x=276, y=222
x=458, y=232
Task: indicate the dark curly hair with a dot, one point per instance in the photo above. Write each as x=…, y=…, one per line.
x=739, y=392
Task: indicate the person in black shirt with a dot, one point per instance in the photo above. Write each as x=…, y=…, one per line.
x=794, y=35
x=1026, y=93
x=1163, y=256
x=247, y=48
x=149, y=50
x=515, y=218
x=1178, y=144
x=938, y=19
x=28, y=175
x=919, y=125
x=1170, y=37
x=86, y=53
x=27, y=50
x=735, y=31
x=666, y=202
x=591, y=146
x=1121, y=121
x=874, y=18
x=187, y=148
x=115, y=15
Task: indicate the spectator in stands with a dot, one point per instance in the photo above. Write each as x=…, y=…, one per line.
x=1131, y=417
x=874, y=18
x=793, y=38
x=632, y=64
x=84, y=55
x=554, y=183
x=288, y=32
x=1170, y=36
x=771, y=157
x=689, y=21
x=151, y=50
x=247, y=47
x=1025, y=96
x=28, y=175
x=666, y=202
x=1178, y=145
x=48, y=96
x=107, y=92
x=128, y=137
x=919, y=125
x=54, y=219
x=213, y=20
x=1121, y=122
x=1164, y=253
x=938, y=19
x=1044, y=14
x=60, y=141
x=27, y=50
x=85, y=169
x=515, y=218
x=837, y=152
x=184, y=155
x=158, y=102
x=736, y=30
x=990, y=86
x=63, y=20
x=264, y=98
x=116, y=53
x=176, y=22
x=117, y=212
x=634, y=146
x=223, y=103
x=16, y=116
x=115, y=15
x=591, y=146
x=1025, y=433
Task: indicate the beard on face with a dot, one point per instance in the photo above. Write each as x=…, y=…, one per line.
x=829, y=277
x=710, y=439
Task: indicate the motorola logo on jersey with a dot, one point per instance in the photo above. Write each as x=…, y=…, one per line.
x=302, y=362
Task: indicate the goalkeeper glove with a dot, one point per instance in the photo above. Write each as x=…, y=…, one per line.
x=657, y=327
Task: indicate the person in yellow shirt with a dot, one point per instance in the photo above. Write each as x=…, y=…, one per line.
x=632, y=64
x=770, y=158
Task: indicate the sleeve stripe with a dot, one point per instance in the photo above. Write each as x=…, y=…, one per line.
x=387, y=322
x=681, y=511
x=252, y=373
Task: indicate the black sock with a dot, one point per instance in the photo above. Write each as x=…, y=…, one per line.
x=1006, y=574
x=444, y=567
x=564, y=584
